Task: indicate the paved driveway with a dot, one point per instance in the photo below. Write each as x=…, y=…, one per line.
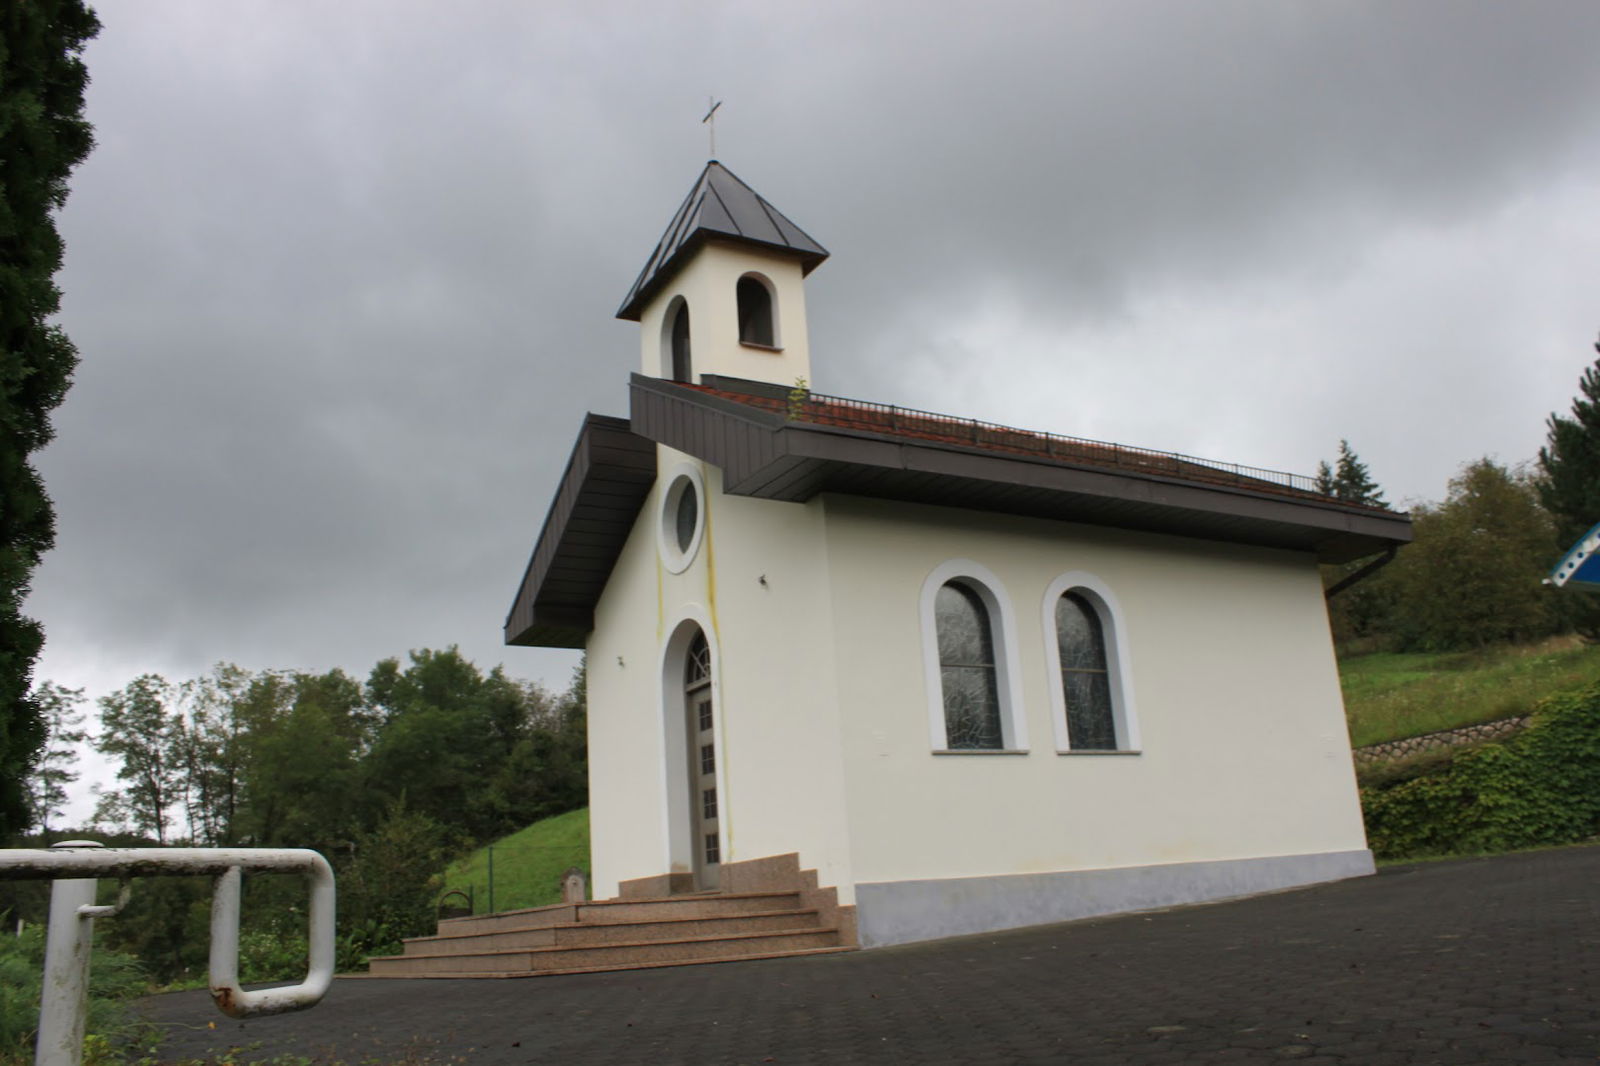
x=1474, y=961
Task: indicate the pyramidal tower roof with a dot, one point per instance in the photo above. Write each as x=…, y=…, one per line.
x=720, y=206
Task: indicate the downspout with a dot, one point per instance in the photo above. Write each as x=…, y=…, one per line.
x=1365, y=572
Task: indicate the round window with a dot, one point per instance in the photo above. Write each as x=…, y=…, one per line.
x=688, y=515
x=682, y=519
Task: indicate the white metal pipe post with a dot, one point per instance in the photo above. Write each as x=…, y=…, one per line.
x=72, y=911
x=64, y=996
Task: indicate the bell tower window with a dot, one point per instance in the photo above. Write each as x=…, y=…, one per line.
x=682, y=368
x=755, y=312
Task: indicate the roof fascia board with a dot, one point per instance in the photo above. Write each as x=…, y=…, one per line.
x=824, y=443
x=602, y=487
x=577, y=464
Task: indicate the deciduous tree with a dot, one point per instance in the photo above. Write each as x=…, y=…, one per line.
x=139, y=728
x=63, y=719
x=210, y=748
x=1472, y=576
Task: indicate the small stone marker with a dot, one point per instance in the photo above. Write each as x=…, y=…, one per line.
x=574, y=886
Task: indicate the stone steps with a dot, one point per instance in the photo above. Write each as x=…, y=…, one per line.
x=590, y=934
x=493, y=975
x=609, y=956
x=611, y=912
x=770, y=908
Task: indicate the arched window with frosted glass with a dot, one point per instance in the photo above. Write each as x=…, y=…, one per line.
x=967, y=669
x=1085, y=675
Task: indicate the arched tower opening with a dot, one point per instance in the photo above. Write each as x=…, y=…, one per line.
x=757, y=317
x=678, y=359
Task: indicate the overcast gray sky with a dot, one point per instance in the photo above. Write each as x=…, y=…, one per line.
x=342, y=276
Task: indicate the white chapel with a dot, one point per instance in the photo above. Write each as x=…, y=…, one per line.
x=964, y=676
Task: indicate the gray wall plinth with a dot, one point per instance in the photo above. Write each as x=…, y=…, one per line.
x=898, y=912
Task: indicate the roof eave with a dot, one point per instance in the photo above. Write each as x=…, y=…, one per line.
x=766, y=456
x=602, y=489
x=632, y=309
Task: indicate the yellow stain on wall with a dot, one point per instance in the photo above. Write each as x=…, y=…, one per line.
x=726, y=813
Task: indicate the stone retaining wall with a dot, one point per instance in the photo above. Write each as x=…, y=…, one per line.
x=1447, y=738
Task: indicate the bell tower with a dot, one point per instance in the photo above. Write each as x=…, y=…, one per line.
x=724, y=290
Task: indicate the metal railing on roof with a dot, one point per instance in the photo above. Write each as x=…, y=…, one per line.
x=866, y=416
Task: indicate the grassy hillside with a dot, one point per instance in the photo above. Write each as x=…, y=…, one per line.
x=1388, y=696
x=528, y=864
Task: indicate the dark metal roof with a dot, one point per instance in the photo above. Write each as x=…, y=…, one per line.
x=745, y=428
x=605, y=484
x=722, y=206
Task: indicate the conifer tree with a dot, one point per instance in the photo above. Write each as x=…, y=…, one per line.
x=1569, y=486
x=1362, y=610
x=1325, y=483
x=43, y=135
x=1349, y=479
x=1570, y=462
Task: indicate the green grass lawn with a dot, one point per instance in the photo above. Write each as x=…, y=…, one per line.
x=1388, y=696
x=528, y=864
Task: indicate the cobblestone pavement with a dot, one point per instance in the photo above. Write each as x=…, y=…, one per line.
x=1474, y=961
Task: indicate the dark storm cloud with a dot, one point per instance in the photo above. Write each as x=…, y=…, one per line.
x=343, y=275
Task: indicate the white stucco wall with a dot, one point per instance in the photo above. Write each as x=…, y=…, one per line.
x=627, y=834
x=780, y=728
x=1244, y=746
x=780, y=776
x=708, y=283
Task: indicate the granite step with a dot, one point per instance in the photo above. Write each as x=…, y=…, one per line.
x=607, y=956
x=614, y=967
x=586, y=934
x=597, y=912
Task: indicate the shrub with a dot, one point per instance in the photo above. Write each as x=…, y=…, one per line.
x=114, y=978
x=1540, y=786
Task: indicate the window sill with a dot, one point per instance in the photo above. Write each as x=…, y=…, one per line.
x=1101, y=751
x=760, y=347
x=980, y=751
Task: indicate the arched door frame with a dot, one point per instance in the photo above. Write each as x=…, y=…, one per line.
x=680, y=819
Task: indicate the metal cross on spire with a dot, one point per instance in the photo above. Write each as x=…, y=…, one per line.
x=710, y=121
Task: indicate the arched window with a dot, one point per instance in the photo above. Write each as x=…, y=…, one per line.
x=967, y=669
x=755, y=312
x=1091, y=693
x=682, y=369
x=1085, y=681
x=970, y=660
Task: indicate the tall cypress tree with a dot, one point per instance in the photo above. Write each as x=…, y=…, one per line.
x=43, y=135
x=1570, y=485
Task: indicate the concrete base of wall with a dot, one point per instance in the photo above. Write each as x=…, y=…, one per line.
x=898, y=912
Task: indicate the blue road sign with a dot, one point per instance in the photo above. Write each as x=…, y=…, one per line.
x=1580, y=567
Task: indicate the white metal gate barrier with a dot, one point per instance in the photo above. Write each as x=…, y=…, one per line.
x=75, y=864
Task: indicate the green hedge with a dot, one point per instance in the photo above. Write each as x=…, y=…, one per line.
x=1539, y=786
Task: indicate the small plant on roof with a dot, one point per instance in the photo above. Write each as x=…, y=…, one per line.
x=797, y=400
